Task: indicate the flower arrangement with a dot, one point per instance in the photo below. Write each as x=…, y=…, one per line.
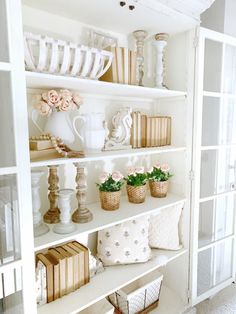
x=136, y=176
x=159, y=173
x=110, y=182
x=63, y=100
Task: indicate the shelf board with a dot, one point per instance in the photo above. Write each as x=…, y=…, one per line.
x=105, y=283
x=169, y=301
x=110, y=155
x=86, y=86
x=103, y=218
x=8, y=170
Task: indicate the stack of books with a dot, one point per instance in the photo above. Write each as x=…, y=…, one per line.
x=123, y=68
x=61, y=270
x=150, y=131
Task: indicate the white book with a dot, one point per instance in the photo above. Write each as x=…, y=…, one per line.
x=41, y=283
x=139, y=129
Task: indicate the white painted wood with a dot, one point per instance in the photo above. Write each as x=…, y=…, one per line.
x=103, y=284
x=6, y=267
x=110, y=155
x=8, y=170
x=102, y=306
x=103, y=219
x=5, y=66
x=46, y=81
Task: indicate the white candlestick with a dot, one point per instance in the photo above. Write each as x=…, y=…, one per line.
x=40, y=228
x=160, y=44
x=65, y=225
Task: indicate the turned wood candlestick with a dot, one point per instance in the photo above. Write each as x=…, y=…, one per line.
x=140, y=36
x=82, y=214
x=52, y=216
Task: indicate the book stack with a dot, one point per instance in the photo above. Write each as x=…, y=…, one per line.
x=61, y=270
x=150, y=131
x=123, y=68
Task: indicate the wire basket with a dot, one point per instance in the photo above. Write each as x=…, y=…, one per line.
x=46, y=54
x=141, y=296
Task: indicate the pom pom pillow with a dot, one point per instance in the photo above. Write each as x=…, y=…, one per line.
x=125, y=243
x=164, y=228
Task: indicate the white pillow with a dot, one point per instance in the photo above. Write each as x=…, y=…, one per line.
x=164, y=228
x=125, y=243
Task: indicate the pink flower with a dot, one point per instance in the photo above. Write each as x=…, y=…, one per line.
x=157, y=165
x=66, y=94
x=131, y=171
x=77, y=99
x=165, y=167
x=65, y=105
x=103, y=177
x=44, y=108
x=117, y=176
x=139, y=169
x=52, y=98
x=150, y=170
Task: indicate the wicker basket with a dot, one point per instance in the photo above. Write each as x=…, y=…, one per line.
x=158, y=189
x=110, y=200
x=139, y=297
x=136, y=194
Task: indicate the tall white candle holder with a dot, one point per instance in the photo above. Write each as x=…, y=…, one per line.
x=65, y=225
x=140, y=36
x=40, y=228
x=160, y=43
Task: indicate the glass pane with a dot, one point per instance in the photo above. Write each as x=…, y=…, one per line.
x=212, y=66
x=223, y=253
x=4, y=52
x=218, y=169
x=7, y=156
x=216, y=219
x=205, y=271
x=230, y=70
x=9, y=220
x=218, y=121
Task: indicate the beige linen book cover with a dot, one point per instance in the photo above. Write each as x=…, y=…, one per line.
x=143, y=130
x=86, y=260
x=62, y=269
x=49, y=274
x=111, y=74
x=75, y=255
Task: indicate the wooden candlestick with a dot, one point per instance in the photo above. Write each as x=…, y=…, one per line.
x=52, y=216
x=140, y=36
x=82, y=214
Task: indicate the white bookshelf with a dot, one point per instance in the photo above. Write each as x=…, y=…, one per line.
x=107, y=282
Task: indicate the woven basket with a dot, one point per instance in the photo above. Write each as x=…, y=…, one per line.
x=136, y=194
x=110, y=200
x=158, y=189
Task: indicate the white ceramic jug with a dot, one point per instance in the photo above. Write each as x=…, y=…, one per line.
x=92, y=131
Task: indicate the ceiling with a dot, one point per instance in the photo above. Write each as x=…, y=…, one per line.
x=170, y=16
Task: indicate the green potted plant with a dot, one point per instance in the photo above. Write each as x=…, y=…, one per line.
x=136, y=184
x=158, y=177
x=110, y=189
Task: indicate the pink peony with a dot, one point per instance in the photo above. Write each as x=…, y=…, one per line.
x=158, y=165
x=139, y=169
x=77, y=99
x=52, y=98
x=65, y=105
x=44, y=108
x=131, y=171
x=150, y=170
x=103, y=177
x=117, y=176
x=165, y=167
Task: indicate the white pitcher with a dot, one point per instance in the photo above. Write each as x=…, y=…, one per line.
x=59, y=124
x=92, y=131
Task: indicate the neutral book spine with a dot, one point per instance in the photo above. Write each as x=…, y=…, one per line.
x=143, y=130
x=119, y=60
x=126, y=65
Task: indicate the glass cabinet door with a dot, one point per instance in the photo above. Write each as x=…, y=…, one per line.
x=4, y=48
x=214, y=186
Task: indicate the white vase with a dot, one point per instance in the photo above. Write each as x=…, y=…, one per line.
x=65, y=225
x=40, y=228
x=59, y=124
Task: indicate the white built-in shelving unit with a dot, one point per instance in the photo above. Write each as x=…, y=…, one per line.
x=70, y=21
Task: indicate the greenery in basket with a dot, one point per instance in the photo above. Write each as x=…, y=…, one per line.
x=136, y=176
x=110, y=182
x=159, y=173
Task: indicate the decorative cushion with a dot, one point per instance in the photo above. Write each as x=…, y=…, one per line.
x=164, y=228
x=125, y=243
